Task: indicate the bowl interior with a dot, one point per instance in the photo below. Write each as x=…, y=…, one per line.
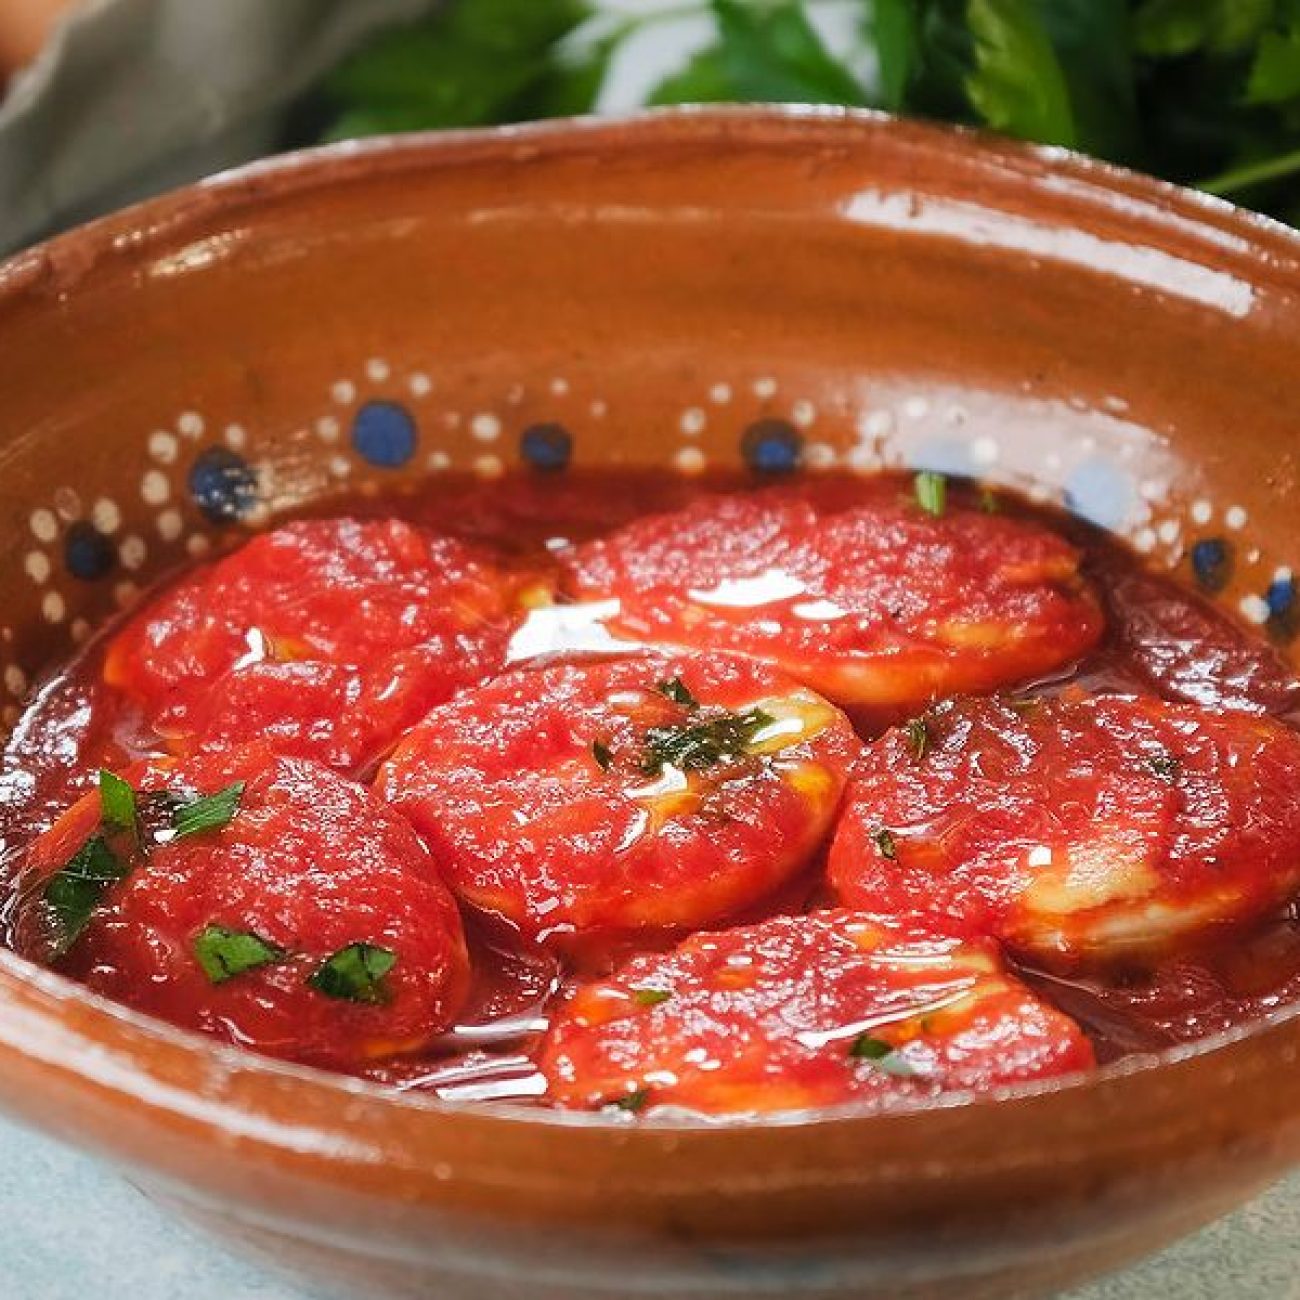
x=732, y=290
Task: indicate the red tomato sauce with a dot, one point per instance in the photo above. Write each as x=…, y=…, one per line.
x=653, y=820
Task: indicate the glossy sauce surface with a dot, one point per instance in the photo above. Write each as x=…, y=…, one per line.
x=1159, y=638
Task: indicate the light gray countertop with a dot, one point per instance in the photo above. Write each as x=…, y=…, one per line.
x=70, y=1227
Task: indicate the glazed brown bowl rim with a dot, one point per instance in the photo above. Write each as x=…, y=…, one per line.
x=162, y=222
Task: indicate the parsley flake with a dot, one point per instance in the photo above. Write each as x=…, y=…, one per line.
x=1025, y=706
x=650, y=997
x=918, y=738
x=75, y=890
x=931, y=492
x=117, y=810
x=1165, y=766
x=355, y=974
x=224, y=953
x=886, y=843
x=703, y=744
x=881, y=1055
x=677, y=691
x=208, y=813
x=633, y=1102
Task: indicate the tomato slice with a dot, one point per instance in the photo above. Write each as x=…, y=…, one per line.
x=388, y=619
x=637, y=792
x=311, y=924
x=878, y=604
x=1186, y=648
x=1078, y=829
x=804, y=1011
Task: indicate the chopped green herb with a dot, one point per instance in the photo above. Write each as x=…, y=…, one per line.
x=225, y=953
x=918, y=738
x=700, y=746
x=881, y=1055
x=209, y=813
x=355, y=973
x=1025, y=705
x=676, y=690
x=601, y=753
x=633, y=1102
x=650, y=997
x=1165, y=766
x=885, y=842
x=931, y=492
x=75, y=890
x=116, y=802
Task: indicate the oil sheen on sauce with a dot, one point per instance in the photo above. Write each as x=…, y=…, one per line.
x=488, y=1055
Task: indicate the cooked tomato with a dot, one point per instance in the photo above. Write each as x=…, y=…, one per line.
x=805, y=1011
x=388, y=618
x=302, y=917
x=880, y=605
x=1186, y=648
x=643, y=791
x=1086, y=828
x=604, y=711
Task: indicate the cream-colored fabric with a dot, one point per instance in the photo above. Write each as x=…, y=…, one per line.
x=134, y=96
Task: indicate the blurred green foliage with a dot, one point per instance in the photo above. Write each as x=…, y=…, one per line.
x=1205, y=92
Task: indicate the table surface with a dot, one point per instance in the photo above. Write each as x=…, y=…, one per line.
x=69, y=1226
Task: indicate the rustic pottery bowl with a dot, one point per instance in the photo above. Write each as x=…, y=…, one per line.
x=760, y=290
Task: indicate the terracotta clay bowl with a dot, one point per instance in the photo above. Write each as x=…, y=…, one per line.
x=729, y=290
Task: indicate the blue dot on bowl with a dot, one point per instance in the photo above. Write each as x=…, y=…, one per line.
x=87, y=553
x=1283, y=613
x=384, y=434
x=771, y=447
x=1281, y=596
x=548, y=447
x=1212, y=563
x=223, y=484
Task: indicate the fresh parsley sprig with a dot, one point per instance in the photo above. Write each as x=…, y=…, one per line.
x=866, y=1047
x=356, y=973
x=207, y=813
x=223, y=953
x=696, y=746
x=72, y=893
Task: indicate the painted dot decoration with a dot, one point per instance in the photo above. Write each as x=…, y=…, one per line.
x=384, y=434
x=86, y=540
x=1283, y=614
x=106, y=515
x=771, y=447
x=154, y=488
x=87, y=553
x=37, y=564
x=222, y=484
x=485, y=426
x=547, y=447
x=44, y=524
x=1212, y=563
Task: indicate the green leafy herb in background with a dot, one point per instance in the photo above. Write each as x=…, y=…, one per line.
x=1206, y=92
